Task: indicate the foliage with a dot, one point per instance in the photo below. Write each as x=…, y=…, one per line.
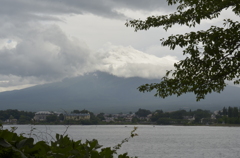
x=199, y=114
x=101, y=116
x=232, y=120
x=224, y=111
x=178, y=117
x=229, y=115
x=18, y=146
x=52, y=118
x=135, y=120
x=61, y=117
x=142, y=112
x=212, y=55
x=24, y=119
x=230, y=112
x=22, y=116
x=80, y=112
x=164, y=121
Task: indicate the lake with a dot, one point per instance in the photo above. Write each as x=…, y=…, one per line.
x=154, y=141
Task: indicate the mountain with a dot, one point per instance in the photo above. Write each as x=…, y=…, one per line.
x=102, y=92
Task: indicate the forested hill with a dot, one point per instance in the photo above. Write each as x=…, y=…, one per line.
x=104, y=92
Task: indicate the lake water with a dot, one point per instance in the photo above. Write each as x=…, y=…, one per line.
x=155, y=141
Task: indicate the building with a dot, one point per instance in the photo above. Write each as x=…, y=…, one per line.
x=42, y=115
x=77, y=117
x=11, y=121
x=190, y=118
x=109, y=119
x=213, y=116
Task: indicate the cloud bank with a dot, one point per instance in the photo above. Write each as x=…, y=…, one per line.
x=46, y=9
x=46, y=54
x=33, y=50
x=129, y=62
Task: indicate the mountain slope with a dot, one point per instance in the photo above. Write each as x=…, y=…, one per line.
x=102, y=92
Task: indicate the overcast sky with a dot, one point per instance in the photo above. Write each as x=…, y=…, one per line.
x=48, y=40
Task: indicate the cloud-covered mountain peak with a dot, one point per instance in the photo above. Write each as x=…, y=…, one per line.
x=129, y=62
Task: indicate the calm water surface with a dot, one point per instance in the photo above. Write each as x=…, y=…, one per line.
x=155, y=141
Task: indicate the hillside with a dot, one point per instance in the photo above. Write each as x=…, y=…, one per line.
x=102, y=92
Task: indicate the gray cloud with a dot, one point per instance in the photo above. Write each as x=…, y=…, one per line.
x=44, y=53
x=34, y=53
x=24, y=10
x=150, y=5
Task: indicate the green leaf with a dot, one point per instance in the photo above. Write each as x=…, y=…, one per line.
x=5, y=144
x=25, y=142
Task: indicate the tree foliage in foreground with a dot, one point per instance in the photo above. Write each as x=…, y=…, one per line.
x=212, y=55
x=18, y=146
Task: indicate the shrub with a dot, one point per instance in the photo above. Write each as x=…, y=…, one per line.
x=19, y=146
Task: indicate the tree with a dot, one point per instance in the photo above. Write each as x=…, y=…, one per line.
x=24, y=119
x=225, y=112
x=11, y=117
x=101, y=116
x=230, y=111
x=178, y=114
x=76, y=112
x=199, y=114
x=156, y=115
x=235, y=112
x=142, y=112
x=80, y=112
x=4, y=114
x=51, y=118
x=61, y=117
x=212, y=55
x=164, y=121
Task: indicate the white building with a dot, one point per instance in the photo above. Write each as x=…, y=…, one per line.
x=42, y=115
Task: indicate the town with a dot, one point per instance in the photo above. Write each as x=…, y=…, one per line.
x=228, y=115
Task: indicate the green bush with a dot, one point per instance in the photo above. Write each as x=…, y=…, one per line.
x=19, y=146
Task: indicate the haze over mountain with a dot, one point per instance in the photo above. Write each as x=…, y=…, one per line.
x=102, y=92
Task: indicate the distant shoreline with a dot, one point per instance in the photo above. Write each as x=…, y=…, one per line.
x=211, y=125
